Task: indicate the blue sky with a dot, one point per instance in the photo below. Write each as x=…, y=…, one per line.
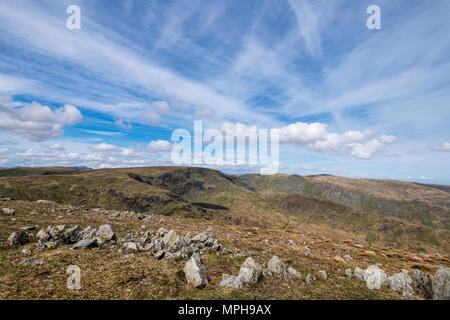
x=348, y=100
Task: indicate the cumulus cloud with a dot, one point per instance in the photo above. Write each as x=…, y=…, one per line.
x=315, y=136
x=159, y=145
x=109, y=148
x=36, y=121
x=443, y=147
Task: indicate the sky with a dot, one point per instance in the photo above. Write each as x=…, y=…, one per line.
x=347, y=100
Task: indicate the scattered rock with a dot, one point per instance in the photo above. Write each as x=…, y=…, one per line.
x=309, y=279
x=276, y=266
x=249, y=273
x=26, y=252
x=129, y=256
x=8, y=211
x=106, y=233
x=195, y=271
x=32, y=261
x=358, y=245
x=322, y=274
x=294, y=273
x=441, y=284
x=18, y=238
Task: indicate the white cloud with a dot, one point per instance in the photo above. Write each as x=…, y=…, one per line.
x=159, y=145
x=109, y=148
x=316, y=137
x=444, y=147
x=56, y=146
x=36, y=121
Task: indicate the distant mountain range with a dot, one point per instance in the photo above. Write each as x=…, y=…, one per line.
x=388, y=212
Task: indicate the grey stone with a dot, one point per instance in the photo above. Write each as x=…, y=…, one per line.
x=18, y=238
x=85, y=243
x=294, y=273
x=322, y=274
x=195, y=272
x=44, y=234
x=47, y=245
x=401, y=282
x=276, y=266
x=106, y=233
x=309, y=279
x=32, y=261
x=375, y=277
x=234, y=282
x=441, y=284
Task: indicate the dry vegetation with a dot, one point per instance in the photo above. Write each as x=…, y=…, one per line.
x=106, y=274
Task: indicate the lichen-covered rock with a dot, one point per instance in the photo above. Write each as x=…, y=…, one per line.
x=106, y=233
x=401, y=282
x=375, y=277
x=234, y=282
x=422, y=283
x=18, y=238
x=250, y=271
x=44, y=234
x=47, y=245
x=441, y=284
x=56, y=232
x=276, y=266
x=195, y=272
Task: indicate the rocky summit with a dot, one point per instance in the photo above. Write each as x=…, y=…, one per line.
x=173, y=234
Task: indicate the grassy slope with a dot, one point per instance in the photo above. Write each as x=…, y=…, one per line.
x=106, y=274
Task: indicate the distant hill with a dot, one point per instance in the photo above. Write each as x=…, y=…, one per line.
x=395, y=213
